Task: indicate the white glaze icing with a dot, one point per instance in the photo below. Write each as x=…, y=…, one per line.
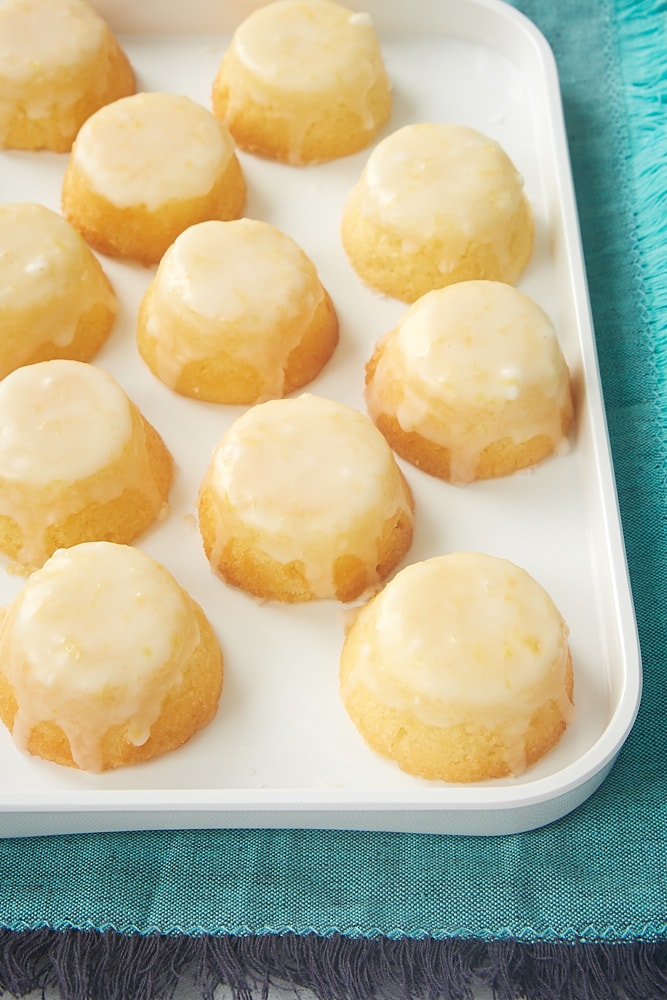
x=308, y=46
x=313, y=477
x=95, y=639
x=463, y=638
x=38, y=36
x=149, y=148
x=470, y=364
x=48, y=280
x=47, y=407
x=429, y=179
x=40, y=39
x=242, y=287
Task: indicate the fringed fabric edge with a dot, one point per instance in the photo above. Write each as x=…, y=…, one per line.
x=642, y=40
x=106, y=965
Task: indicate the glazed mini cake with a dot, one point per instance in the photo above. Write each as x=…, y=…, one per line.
x=459, y=669
x=302, y=501
x=78, y=462
x=436, y=204
x=472, y=383
x=145, y=168
x=105, y=660
x=236, y=314
x=59, y=63
x=55, y=299
x=303, y=81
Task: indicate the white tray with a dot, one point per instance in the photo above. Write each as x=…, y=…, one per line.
x=281, y=751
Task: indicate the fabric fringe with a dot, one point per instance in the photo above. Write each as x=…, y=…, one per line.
x=106, y=965
x=643, y=40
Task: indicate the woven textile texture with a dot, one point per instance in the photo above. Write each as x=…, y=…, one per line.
x=572, y=909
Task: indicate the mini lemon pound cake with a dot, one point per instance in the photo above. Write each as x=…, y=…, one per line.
x=236, y=314
x=472, y=383
x=303, y=81
x=146, y=167
x=303, y=500
x=459, y=670
x=436, y=204
x=55, y=299
x=78, y=462
x=59, y=63
x=105, y=660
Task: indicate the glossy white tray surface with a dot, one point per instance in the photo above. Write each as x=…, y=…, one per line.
x=281, y=750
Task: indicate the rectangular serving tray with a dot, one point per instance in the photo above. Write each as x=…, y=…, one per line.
x=281, y=751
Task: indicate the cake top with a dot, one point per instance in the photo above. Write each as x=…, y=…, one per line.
x=425, y=178
x=40, y=36
x=67, y=666
x=61, y=421
x=480, y=343
x=459, y=631
x=215, y=269
x=152, y=147
x=310, y=46
x=269, y=465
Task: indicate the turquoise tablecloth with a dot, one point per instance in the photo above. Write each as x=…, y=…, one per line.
x=566, y=911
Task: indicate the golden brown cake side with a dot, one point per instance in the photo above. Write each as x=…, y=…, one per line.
x=459, y=670
x=79, y=462
x=105, y=661
x=254, y=328
x=303, y=501
x=59, y=63
x=145, y=168
x=437, y=204
x=303, y=82
x=471, y=383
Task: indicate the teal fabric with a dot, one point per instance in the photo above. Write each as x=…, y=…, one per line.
x=599, y=874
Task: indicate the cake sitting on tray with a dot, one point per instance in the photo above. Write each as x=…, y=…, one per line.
x=105, y=660
x=55, y=299
x=59, y=63
x=236, y=314
x=303, y=81
x=78, y=462
x=472, y=383
x=436, y=204
x=303, y=500
x=459, y=669
x=146, y=167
